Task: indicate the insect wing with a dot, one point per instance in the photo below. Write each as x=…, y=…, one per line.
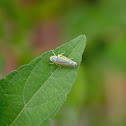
x=64, y=61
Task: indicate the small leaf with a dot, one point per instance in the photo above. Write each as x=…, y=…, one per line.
x=32, y=95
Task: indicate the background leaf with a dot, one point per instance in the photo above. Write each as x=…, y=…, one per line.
x=2, y=64
x=33, y=94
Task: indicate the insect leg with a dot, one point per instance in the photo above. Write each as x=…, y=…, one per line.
x=53, y=53
x=59, y=66
x=61, y=54
x=51, y=63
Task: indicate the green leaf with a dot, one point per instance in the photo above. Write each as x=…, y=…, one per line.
x=32, y=95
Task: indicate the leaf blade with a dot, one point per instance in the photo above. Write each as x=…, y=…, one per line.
x=38, y=90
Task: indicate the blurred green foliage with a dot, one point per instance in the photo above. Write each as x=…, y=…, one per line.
x=2, y=64
x=104, y=60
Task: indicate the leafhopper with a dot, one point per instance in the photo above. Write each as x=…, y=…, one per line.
x=62, y=60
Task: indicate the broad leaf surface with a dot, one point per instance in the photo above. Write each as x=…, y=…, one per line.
x=32, y=95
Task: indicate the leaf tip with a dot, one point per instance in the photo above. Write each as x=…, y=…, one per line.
x=84, y=36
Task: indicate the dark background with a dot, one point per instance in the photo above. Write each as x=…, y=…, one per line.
x=28, y=28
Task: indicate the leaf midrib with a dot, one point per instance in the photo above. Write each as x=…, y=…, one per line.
x=39, y=90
